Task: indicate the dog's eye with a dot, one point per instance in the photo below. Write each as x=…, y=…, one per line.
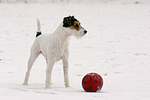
x=77, y=26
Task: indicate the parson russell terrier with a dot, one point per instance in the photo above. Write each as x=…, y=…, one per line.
x=54, y=47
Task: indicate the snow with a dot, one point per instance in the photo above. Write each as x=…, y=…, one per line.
x=116, y=46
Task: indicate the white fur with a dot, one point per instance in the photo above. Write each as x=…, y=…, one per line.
x=54, y=47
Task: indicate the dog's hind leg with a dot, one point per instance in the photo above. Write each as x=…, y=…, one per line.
x=35, y=51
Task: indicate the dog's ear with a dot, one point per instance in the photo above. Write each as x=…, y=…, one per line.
x=65, y=22
x=69, y=21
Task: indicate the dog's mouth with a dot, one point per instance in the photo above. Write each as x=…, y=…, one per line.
x=80, y=34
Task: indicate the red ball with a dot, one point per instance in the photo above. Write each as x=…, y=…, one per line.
x=92, y=82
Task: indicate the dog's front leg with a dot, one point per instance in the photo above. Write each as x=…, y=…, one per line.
x=66, y=68
x=50, y=65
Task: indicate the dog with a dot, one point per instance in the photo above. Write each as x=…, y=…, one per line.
x=54, y=47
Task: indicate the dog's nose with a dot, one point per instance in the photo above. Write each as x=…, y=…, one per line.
x=85, y=31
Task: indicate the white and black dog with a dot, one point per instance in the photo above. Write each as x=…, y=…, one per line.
x=54, y=47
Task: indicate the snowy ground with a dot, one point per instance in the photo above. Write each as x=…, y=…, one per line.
x=117, y=46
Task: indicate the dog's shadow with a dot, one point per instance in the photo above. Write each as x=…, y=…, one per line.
x=55, y=89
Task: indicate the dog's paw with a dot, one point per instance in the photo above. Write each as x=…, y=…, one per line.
x=48, y=87
x=67, y=85
x=25, y=84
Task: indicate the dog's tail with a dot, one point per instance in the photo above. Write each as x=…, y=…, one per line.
x=38, y=28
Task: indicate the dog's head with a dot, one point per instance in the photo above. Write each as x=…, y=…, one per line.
x=74, y=27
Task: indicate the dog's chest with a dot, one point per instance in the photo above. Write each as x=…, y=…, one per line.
x=61, y=50
x=54, y=47
x=63, y=47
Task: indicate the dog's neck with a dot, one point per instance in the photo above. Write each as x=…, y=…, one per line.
x=62, y=35
x=61, y=32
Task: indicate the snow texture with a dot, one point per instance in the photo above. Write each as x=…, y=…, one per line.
x=117, y=47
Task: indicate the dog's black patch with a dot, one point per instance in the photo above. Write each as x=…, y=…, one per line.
x=69, y=21
x=38, y=33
